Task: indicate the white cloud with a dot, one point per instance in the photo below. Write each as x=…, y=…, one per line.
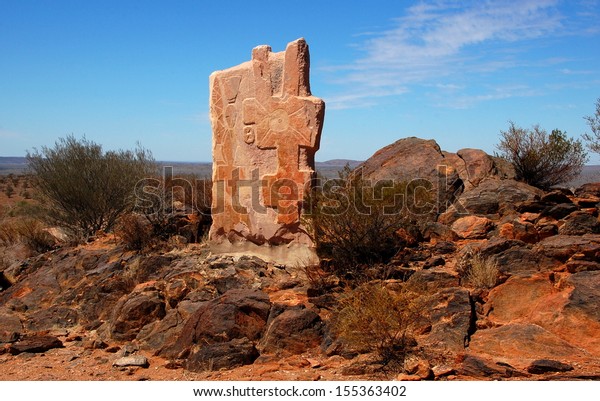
x=441, y=40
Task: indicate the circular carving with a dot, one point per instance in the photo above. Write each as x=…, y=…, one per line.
x=279, y=120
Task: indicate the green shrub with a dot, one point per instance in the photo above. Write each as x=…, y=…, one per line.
x=84, y=188
x=540, y=159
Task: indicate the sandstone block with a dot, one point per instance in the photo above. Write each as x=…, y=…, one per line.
x=266, y=130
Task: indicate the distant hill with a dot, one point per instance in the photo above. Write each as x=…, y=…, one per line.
x=329, y=168
x=338, y=163
x=12, y=165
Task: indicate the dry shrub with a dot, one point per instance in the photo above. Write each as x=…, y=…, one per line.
x=479, y=271
x=135, y=231
x=373, y=318
x=357, y=223
x=541, y=159
x=30, y=232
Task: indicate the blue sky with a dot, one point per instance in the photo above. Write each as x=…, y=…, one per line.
x=124, y=71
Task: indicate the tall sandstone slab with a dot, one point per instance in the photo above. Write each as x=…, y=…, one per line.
x=266, y=130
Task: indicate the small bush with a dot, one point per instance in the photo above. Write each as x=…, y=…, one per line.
x=593, y=138
x=9, y=190
x=135, y=231
x=478, y=271
x=372, y=318
x=85, y=188
x=357, y=223
x=29, y=231
x=540, y=159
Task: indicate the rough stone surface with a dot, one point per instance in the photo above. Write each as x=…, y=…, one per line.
x=236, y=314
x=292, y=332
x=266, y=129
x=136, y=311
x=132, y=360
x=35, y=344
x=472, y=227
x=541, y=366
x=227, y=355
x=10, y=327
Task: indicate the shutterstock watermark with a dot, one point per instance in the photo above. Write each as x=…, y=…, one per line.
x=247, y=192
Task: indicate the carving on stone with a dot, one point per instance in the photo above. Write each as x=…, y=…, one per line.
x=266, y=130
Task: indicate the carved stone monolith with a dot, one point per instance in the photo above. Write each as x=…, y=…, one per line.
x=266, y=129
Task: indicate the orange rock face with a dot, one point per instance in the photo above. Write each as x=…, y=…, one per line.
x=266, y=130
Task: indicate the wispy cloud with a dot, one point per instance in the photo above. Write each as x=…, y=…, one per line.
x=442, y=42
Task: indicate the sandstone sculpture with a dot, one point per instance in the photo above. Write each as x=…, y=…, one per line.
x=266, y=130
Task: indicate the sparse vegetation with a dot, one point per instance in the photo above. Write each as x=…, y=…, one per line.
x=541, y=159
x=478, y=271
x=372, y=318
x=593, y=138
x=356, y=223
x=84, y=188
x=29, y=231
x=135, y=231
x=9, y=190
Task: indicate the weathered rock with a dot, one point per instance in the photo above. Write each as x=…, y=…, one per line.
x=580, y=223
x=436, y=231
x=236, y=314
x=556, y=196
x=10, y=327
x=132, y=360
x=415, y=159
x=520, y=344
x=569, y=311
x=474, y=366
x=266, y=129
x=226, y=355
x=590, y=189
x=136, y=311
x=541, y=366
x=490, y=197
x=472, y=227
x=562, y=247
x=559, y=211
x=520, y=260
x=431, y=280
x=56, y=316
x=292, y=332
x=478, y=165
x=35, y=344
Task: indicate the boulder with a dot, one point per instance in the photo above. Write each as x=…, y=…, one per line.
x=10, y=327
x=541, y=366
x=519, y=344
x=478, y=165
x=292, y=332
x=224, y=355
x=580, y=223
x=132, y=360
x=35, y=344
x=491, y=197
x=236, y=314
x=449, y=313
x=134, y=312
x=411, y=159
x=588, y=190
x=562, y=247
x=472, y=227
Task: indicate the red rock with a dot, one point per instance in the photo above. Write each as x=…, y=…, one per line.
x=472, y=227
x=35, y=344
